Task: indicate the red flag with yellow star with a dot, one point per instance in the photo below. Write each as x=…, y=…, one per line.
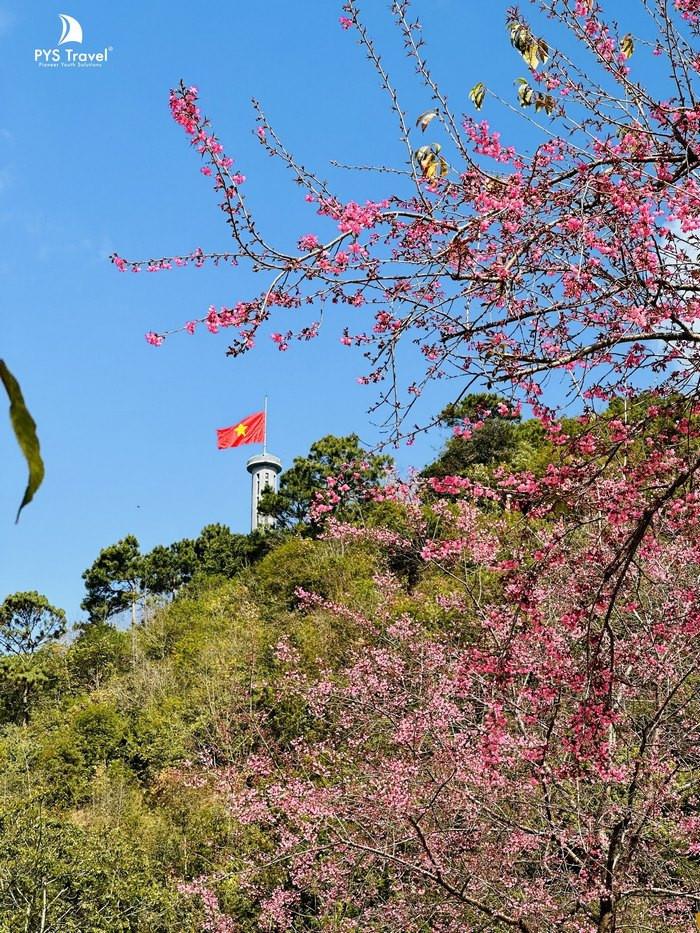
x=250, y=430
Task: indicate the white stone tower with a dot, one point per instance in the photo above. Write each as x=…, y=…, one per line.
x=264, y=470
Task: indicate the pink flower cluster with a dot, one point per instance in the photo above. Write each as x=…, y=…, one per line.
x=689, y=10
x=184, y=110
x=353, y=217
x=214, y=920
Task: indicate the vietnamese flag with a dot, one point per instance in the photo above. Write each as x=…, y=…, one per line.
x=250, y=430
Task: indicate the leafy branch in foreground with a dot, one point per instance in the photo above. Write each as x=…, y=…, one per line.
x=25, y=431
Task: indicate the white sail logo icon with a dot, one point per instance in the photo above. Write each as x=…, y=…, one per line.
x=71, y=30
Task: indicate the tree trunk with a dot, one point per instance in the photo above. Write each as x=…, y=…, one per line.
x=25, y=704
x=606, y=923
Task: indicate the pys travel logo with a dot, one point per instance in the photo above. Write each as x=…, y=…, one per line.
x=65, y=55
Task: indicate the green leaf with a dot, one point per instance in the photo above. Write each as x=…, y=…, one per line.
x=25, y=431
x=530, y=55
x=542, y=51
x=477, y=94
x=525, y=93
x=533, y=49
x=431, y=163
x=520, y=36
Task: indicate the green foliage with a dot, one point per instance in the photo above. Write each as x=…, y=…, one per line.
x=319, y=567
x=329, y=456
x=25, y=431
x=100, y=731
x=501, y=440
x=99, y=652
x=122, y=578
x=101, y=816
x=29, y=624
x=24, y=679
x=27, y=621
x=220, y=552
x=115, y=581
x=158, y=736
x=96, y=870
x=166, y=569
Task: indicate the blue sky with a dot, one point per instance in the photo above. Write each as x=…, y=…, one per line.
x=90, y=163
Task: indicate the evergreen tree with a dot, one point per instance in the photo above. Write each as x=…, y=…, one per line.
x=328, y=457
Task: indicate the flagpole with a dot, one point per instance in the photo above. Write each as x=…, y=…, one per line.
x=265, y=429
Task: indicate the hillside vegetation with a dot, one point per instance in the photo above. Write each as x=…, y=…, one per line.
x=466, y=702
x=100, y=821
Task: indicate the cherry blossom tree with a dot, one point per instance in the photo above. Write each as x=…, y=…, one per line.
x=514, y=746
x=576, y=259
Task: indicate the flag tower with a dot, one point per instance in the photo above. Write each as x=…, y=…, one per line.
x=264, y=472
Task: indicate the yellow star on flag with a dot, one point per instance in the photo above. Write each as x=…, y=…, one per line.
x=250, y=430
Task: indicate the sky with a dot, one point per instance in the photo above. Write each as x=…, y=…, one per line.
x=91, y=163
